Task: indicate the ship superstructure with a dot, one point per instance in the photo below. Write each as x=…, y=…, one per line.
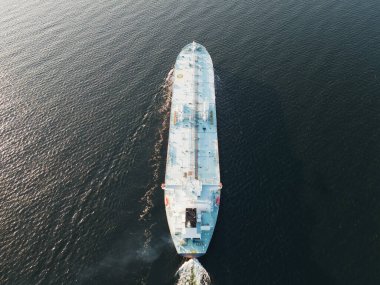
x=192, y=179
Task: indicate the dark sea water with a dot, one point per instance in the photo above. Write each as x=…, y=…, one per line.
x=83, y=132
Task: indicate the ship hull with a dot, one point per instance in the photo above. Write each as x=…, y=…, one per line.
x=192, y=179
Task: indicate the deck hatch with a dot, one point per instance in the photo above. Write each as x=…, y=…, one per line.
x=191, y=217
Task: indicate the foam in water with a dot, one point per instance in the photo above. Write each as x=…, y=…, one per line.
x=192, y=273
x=156, y=160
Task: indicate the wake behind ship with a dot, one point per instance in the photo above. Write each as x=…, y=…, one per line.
x=192, y=179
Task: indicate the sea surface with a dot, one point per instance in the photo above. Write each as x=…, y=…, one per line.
x=83, y=134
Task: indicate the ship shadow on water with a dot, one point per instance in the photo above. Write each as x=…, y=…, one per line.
x=262, y=217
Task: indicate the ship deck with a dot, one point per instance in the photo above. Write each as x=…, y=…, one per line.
x=193, y=142
x=192, y=170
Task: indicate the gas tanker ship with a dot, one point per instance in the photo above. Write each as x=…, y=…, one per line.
x=192, y=180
